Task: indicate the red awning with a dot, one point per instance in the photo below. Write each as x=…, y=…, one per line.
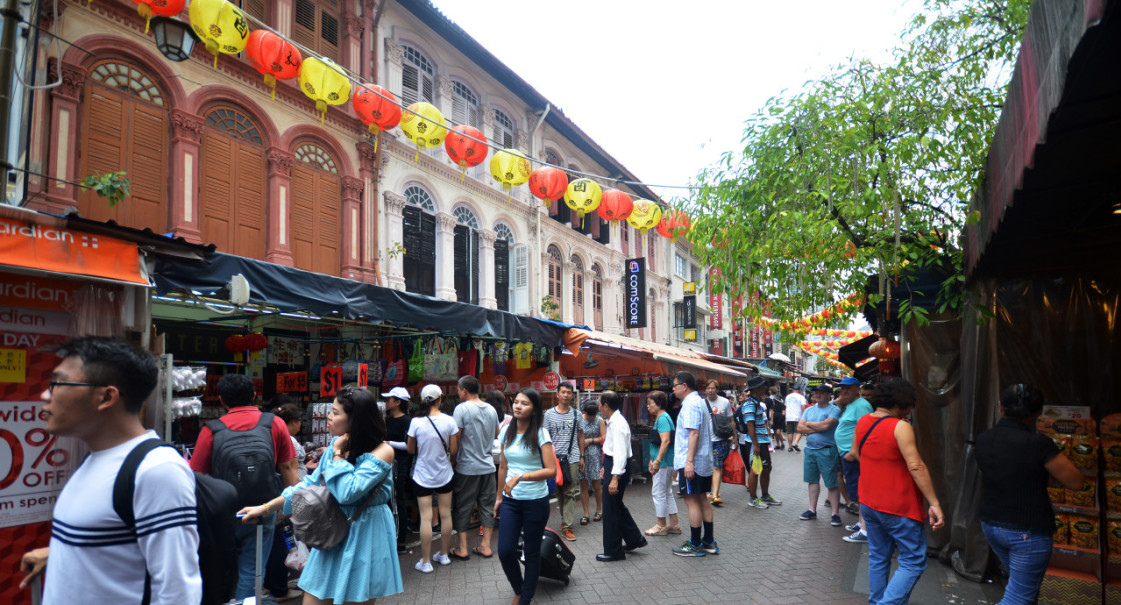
x=30, y=247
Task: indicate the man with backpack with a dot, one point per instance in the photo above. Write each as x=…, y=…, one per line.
x=246, y=447
x=753, y=420
x=95, y=395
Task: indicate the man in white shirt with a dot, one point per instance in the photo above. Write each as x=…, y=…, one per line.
x=720, y=447
x=795, y=404
x=692, y=459
x=95, y=394
x=618, y=525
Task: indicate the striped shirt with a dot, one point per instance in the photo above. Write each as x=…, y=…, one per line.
x=95, y=553
x=753, y=411
x=693, y=415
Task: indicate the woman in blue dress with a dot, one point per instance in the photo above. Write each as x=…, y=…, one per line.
x=364, y=566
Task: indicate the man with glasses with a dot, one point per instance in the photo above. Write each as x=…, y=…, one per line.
x=95, y=395
x=692, y=459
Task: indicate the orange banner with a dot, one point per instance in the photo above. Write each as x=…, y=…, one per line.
x=71, y=252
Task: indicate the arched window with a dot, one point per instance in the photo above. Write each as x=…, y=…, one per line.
x=503, y=251
x=504, y=232
x=555, y=285
x=419, y=235
x=417, y=77
x=466, y=259
x=552, y=157
x=465, y=105
x=577, y=290
x=316, y=210
x=505, y=130
x=597, y=297
x=125, y=129
x=233, y=183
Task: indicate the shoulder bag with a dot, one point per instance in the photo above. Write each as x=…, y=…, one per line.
x=447, y=450
x=564, y=474
x=317, y=519
x=860, y=448
x=721, y=424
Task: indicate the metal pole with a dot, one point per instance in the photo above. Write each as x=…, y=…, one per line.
x=8, y=37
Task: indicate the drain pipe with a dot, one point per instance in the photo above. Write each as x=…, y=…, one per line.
x=533, y=310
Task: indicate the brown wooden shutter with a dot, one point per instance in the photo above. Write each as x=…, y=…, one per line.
x=216, y=191
x=303, y=216
x=232, y=195
x=304, y=24
x=250, y=203
x=329, y=253
x=316, y=220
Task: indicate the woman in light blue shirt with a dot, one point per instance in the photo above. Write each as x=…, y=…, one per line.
x=522, y=503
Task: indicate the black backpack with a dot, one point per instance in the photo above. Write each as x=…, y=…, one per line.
x=741, y=426
x=215, y=505
x=246, y=460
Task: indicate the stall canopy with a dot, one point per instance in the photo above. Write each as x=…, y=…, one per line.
x=36, y=243
x=293, y=290
x=615, y=355
x=697, y=364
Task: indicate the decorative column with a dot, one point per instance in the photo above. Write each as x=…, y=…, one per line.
x=186, y=139
x=394, y=55
x=352, y=228
x=351, y=48
x=445, y=256
x=62, y=157
x=486, y=269
x=368, y=241
x=394, y=235
x=542, y=282
x=446, y=100
x=567, y=289
x=279, y=213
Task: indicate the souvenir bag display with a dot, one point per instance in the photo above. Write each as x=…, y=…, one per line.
x=350, y=366
x=441, y=361
x=396, y=371
x=416, y=362
x=468, y=361
x=376, y=364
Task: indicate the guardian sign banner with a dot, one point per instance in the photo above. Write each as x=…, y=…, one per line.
x=634, y=293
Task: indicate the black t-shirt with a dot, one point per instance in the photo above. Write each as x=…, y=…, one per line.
x=1013, y=478
x=778, y=406
x=397, y=429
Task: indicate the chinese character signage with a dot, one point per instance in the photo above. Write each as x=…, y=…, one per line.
x=690, y=315
x=634, y=291
x=715, y=303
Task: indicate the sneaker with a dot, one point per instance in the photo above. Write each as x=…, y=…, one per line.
x=442, y=559
x=853, y=508
x=771, y=501
x=757, y=503
x=827, y=504
x=568, y=534
x=710, y=548
x=857, y=537
x=808, y=516
x=853, y=527
x=424, y=566
x=688, y=550
x=835, y=521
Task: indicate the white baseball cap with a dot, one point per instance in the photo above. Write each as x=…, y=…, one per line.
x=398, y=392
x=430, y=393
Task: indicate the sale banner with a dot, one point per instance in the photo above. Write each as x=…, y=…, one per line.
x=330, y=380
x=291, y=381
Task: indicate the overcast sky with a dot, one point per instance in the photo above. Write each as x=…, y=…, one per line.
x=665, y=86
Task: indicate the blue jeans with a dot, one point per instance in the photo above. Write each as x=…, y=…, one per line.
x=247, y=557
x=887, y=532
x=524, y=518
x=1025, y=555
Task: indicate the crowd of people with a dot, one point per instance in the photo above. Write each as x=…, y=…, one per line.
x=500, y=464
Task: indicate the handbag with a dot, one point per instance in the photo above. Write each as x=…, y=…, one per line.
x=441, y=361
x=447, y=450
x=468, y=362
x=564, y=471
x=317, y=519
x=416, y=362
x=395, y=373
x=721, y=424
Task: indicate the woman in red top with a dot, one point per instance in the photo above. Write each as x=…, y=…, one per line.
x=893, y=482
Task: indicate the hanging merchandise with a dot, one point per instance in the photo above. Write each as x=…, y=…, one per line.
x=646, y=215
x=548, y=183
x=441, y=361
x=377, y=108
x=583, y=196
x=325, y=83
x=424, y=125
x=273, y=56
x=469, y=361
x=221, y=26
x=467, y=147
x=523, y=355
x=499, y=357
x=674, y=224
x=416, y=362
x=510, y=167
x=395, y=371
x=163, y=8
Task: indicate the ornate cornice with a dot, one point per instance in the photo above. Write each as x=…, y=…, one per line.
x=352, y=188
x=394, y=202
x=570, y=267
x=280, y=161
x=73, y=79
x=47, y=15
x=394, y=52
x=488, y=237
x=488, y=117
x=367, y=156
x=445, y=85
x=355, y=25
x=445, y=221
x=186, y=126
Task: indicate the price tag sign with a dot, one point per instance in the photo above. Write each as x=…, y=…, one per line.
x=589, y=384
x=330, y=381
x=363, y=375
x=291, y=381
x=500, y=382
x=552, y=380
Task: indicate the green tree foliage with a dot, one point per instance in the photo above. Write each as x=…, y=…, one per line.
x=868, y=170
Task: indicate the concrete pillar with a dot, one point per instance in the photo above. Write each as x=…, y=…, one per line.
x=566, y=287
x=445, y=255
x=186, y=139
x=486, y=269
x=369, y=211
x=394, y=234
x=62, y=154
x=279, y=208
x=352, y=228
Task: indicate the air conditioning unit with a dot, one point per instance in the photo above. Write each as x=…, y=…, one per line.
x=239, y=290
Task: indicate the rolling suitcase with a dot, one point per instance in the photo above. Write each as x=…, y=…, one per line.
x=556, y=557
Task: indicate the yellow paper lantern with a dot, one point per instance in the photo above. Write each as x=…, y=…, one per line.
x=323, y=82
x=646, y=215
x=510, y=167
x=221, y=26
x=583, y=196
x=424, y=125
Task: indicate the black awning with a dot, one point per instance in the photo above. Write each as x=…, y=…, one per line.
x=856, y=351
x=293, y=290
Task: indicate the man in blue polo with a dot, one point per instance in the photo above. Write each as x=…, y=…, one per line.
x=818, y=424
x=853, y=408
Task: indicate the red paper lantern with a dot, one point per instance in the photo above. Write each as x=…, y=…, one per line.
x=615, y=205
x=466, y=146
x=256, y=342
x=548, y=183
x=675, y=223
x=164, y=8
x=273, y=56
x=235, y=344
x=884, y=349
x=377, y=108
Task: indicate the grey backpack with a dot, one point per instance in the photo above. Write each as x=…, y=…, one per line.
x=317, y=519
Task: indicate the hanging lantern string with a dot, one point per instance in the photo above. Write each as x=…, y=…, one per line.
x=357, y=79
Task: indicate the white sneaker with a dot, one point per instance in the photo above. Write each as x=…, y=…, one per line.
x=858, y=537
x=442, y=559
x=853, y=527
x=424, y=566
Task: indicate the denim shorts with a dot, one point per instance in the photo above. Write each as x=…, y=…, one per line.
x=821, y=462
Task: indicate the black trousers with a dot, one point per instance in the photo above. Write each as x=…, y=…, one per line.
x=618, y=524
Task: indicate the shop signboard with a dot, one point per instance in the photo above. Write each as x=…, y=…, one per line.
x=513, y=387
x=690, y=312
x=715, y=302
x=589, y=384
x=500, y=382
x=552, y=380
x=538, y=385
x=291, y=381
x=634, y=293
x=330, y=380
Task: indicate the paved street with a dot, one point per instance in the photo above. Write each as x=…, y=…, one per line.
x=767, y=557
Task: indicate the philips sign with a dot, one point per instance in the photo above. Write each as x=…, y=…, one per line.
x=635, y=289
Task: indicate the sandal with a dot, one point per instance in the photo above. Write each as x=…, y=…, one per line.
x=584, y=520
x=597, y=517
x=657, y=530
x=676, y=529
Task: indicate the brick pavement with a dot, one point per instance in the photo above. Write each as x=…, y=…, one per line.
x=767, y=557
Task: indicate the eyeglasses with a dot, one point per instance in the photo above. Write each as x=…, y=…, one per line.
x=677, y=384
x=62, y=383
